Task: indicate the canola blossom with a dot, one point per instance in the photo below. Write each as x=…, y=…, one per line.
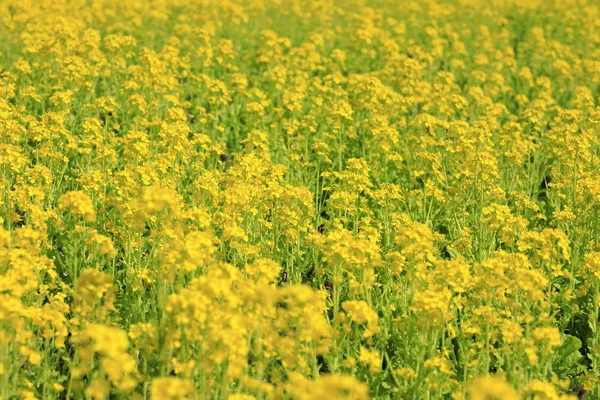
x=300, y=199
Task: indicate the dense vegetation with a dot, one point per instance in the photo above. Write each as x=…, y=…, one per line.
x=299, y=199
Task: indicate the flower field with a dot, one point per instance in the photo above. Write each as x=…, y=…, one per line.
x=300, y=199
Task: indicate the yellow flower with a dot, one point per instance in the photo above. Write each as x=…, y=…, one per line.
x=549, y=335
x=241, y=397
x=98, y=389
x=491, y=388
x=171, y=388
x=360, y=313
x=79, y=204
x=372, y=359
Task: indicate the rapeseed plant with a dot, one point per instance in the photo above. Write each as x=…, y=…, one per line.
x=285, y=199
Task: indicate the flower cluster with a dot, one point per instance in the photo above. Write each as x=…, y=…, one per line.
x=252, y=199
